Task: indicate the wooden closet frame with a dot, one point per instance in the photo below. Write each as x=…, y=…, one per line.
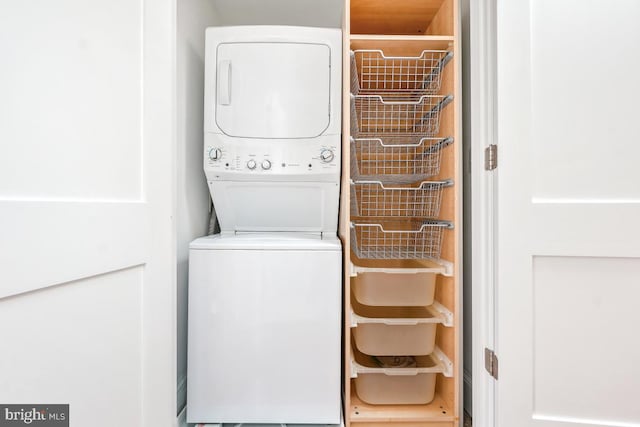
x=411, y=26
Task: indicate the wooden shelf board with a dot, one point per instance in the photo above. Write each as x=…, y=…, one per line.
x=401, y=38
x=395, y=17
x=437, y=410
x=401, y=45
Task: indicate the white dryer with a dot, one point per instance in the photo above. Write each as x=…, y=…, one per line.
x=273, y=127
x=265, y=295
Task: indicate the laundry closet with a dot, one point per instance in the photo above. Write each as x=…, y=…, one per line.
x=542, y=259
x=400, y=217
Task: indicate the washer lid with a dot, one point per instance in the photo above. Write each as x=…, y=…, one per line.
x=273, y=89
x=268, y=241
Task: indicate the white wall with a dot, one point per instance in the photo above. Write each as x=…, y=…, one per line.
x=312, y=13
x=192, y=210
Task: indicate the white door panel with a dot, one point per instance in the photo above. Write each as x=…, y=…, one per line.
x=47, y=243
x=87, y=294
x=72, y=100
x=79, y=343
x=568, y=264
x=583, y=104
x=582, y=323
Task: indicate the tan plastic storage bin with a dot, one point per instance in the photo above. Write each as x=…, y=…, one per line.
x=378, y=385
x=395, y=331
x=391, y=289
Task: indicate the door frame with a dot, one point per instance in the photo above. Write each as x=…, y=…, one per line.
x=159, y=135
x=483, y=90
x=159, y=296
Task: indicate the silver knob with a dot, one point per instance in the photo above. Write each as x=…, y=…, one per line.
x=215, y=154
x=326, y=155
x=266, y=164
x=251, y=164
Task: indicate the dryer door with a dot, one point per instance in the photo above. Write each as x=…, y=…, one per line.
x=272, y=90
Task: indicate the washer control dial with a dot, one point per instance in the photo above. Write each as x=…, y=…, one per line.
x=326, y=155
x=251, y=164
x=215, y=154
x=266, y=164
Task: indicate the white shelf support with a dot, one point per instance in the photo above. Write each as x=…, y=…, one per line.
x=440, y=267
x=444, y=313
x=448, y=267
x=354, y=319
x=447, y=364
x=444, y=366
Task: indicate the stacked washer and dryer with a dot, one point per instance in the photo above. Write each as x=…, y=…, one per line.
x=265, y=294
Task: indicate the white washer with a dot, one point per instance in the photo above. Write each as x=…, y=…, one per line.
x=265, y=329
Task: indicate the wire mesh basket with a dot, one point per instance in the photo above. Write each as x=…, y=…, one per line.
x=393, y=115
x=396, y=159
x=411, y=240
x=375, y=199
x=373, y=71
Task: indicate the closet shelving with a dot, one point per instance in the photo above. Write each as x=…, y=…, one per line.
x=396, y=159
x=375, y=198
x=403, y=76
x=401, y=217
x=416, y=239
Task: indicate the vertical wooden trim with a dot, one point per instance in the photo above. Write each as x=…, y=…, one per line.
x=345, y=207
x=458, y=217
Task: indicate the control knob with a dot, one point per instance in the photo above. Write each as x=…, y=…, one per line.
x=326, y=155
x=215, y=154
x=251, y=164
x=266, y=164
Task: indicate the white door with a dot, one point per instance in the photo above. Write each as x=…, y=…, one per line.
x=568, y=247
x=87, y=295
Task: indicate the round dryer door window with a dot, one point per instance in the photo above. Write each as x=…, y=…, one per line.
x=272, y=90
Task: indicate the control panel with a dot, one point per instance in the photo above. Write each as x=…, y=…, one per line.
x=227, y=157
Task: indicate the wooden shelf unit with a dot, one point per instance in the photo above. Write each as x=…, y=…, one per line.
x=405, y=28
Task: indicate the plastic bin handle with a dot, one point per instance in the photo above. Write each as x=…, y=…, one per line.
x=400, y=322
x=224, y=82
x=401, y=372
